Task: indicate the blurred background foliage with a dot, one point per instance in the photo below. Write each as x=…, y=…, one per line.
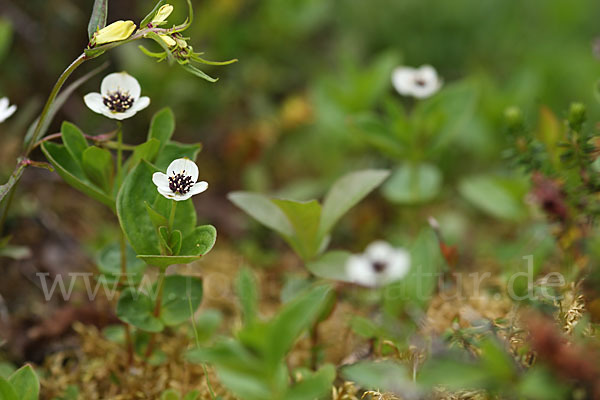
x=311, y=95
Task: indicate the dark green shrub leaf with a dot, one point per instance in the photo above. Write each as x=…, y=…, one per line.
x=137, y=308
x=178, y=292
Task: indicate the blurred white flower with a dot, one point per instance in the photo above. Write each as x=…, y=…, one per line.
x=119, y=97
x=417, y=82
x=6, y=110
x=379, y=265
x=179, y=183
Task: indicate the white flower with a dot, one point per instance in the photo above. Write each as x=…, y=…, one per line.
x=179, y=183
x=417, y=82
x=119, y=97
x=6, y=110
x=379, y=265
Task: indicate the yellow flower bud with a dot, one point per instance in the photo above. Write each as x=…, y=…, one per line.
x=119, y=30
x=162, y=14
x=181, y=43
x=168, y=40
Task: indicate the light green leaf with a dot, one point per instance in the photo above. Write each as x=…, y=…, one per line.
x=331, y=265
x=248, y=294
x=411, y=184
x=175, y=241
x=385, y=376
x=162, y=126
x=295, y=317
x=109, y=264
x=25, y=382
x=346, y=192
x=185, y=213
x=73, y=140
x=165, y=261
x=137, y=308
x=305, y=218
x=68, y=168
x=98, y=166
x=177, y=293
x=262, y=209
x=200, y=241
x=7, y=392
x=136, y=190
x=313, y=387
x=98, y=18
x=499, y=197
x=170, y=394
x=145, y=151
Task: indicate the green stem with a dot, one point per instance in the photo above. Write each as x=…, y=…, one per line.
x=210, y=389
x=119, y=151
x=172, y=216
x=160, y=287
x=57, y=86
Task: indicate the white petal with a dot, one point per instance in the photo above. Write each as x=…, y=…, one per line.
x=398, y=266
x=95, y=103
x=121, y=81
x=379, y=251
x=141, y=103
x=403, y=80
x=5, y=113
x=161, y=180
x=360, y=271
x=182, y=197
x=166, y=192
x=198, y=188
x=123, y=115
x=183, y=164
x=427, y=73
x=3, y=103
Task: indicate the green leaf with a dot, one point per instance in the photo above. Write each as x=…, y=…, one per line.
x=199, y=73
x=412, y=184
x=248, y=294
x=152, y=35
x=200, y=241
x=165, y=261
x=25, y=382
x=418, y=286
x=98, y=18
x=305, y=218
x=175, y=242
x=453, y=373
x=207, y=324
x=174, y=150
x=148, y=18
x=138, y=189
x=157, y=219
x=162, y=126
x=262, y=209
x=177, y=293
x=145, y=151
x=499, y=197
x=137, y=308
x=332, y=265
x=315, y=386
x=185, y=213
x=98, y=166
x=163, y=237
x=68, y=168
x=6, y=390
x=109, y=263
x=170, y=394
x=6, y=369
x=346, y=192
x=379, y=375
x=294, y=318
x=193, y=395
x=73, y=140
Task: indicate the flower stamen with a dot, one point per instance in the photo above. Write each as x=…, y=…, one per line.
x=180, y=183
x=118, y=101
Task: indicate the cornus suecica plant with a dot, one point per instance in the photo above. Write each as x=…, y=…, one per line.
x=155, y=211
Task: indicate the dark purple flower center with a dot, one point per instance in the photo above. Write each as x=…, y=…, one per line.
x=117, y=101
x=420, y=82
x=180, y=183
x=379, y=266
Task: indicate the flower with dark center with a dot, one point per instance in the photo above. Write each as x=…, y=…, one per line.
x=416, y=82
x=119, y=97
x=179, y=183
x=379, y=265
